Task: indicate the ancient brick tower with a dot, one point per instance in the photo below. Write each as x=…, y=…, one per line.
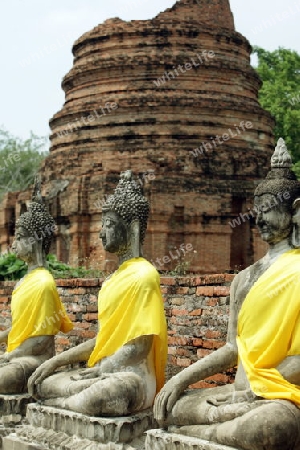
x=175, y=100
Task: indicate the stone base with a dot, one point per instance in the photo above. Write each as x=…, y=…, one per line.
x=162, y=440
x=12, y=405
x=53, y=428
x=12, y=413
x=30, y=438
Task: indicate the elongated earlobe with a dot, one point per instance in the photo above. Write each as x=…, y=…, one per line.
x=296, y=224
x=135, y=238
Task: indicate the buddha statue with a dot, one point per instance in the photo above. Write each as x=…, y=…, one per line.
x=36, y=309
x=126, y=360
x=260, y=410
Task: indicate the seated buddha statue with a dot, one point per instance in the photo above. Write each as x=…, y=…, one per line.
x=36, y=309
x=126, y=360
x=260, y=410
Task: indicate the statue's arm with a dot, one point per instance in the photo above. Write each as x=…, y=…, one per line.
x=4, y=336
x=289, y=368
x=33, y=346
x=220, y=360
x=130, y=354
x=74, y=355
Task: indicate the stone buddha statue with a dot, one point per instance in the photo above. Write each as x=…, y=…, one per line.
x=260, y=410
x=126, y=360
x=36, y=309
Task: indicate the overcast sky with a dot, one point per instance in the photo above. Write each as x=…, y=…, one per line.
x=30, y=87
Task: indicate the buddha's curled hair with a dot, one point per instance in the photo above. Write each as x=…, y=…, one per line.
x=37, y=220
x=129, y=202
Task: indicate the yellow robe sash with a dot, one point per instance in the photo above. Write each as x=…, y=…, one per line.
x=130, y=305
x=36, y=309
x=269, y=328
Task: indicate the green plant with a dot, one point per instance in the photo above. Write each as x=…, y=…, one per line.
x=12, y=268
x=181, y=269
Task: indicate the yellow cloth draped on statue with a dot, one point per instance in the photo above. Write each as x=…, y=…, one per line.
x=130, y=305
x=36, y=309
x=269, y=328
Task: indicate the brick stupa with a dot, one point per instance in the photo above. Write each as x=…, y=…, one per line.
x=175, y=100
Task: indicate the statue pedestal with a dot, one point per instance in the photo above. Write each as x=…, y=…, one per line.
x=63, y=430
x=162, y=440
x=12, y=412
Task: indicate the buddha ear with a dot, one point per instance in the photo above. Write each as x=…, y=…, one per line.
x=135, y=238
x=296, y=223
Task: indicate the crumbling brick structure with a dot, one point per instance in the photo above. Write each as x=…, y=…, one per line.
x=175, y=100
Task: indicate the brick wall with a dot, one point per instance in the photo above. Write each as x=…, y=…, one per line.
x=196, y=309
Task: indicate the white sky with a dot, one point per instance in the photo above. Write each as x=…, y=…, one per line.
x=30, y=94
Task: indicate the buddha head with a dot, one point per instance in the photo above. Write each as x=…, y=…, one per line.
x=124, y=218
x=34, y=231
x=277, y=200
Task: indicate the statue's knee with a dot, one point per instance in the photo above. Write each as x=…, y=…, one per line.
x=11, y=380
x=273, y=426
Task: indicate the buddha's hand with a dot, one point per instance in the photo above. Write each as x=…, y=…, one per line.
x=87, y=374
x=247, y=396
x=166, y=399
x=3, y=360
x=43, y=371
x=100, y=370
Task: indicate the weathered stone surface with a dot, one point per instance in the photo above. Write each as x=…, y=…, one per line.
x=51, y=428
x=13, y=407
x=161, y=440
x=116, y=116
x=12, y=412
x=30, y=438
x=99, y=429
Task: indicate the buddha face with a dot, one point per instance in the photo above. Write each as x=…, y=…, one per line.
x=274, y=218
x=23, y=244
x=114, y=233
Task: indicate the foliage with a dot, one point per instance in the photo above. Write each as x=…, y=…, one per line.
x=19, y=161
x=280, y=95
x=181, y=269
x=12, y=268
x=62, y=270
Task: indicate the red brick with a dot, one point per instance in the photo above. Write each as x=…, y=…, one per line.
x=179, y=312
x=92, y=308
x=178, y=340
x=219, y=378
x=90, y=316
x=183, y=362
x=212, y=334
x=201, y=352
x=197, y=342
x=86, y=334
x=211, y=302
x=221, y=291
x=195, y=312
x=212, y=344
x=202, y=385
x=206, y=291
x=62, y=341
x=82, y=325
x=167, y=281
x=182, y=290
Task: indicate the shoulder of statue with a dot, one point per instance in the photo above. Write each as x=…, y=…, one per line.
x=146, y=272
x=45, y=278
